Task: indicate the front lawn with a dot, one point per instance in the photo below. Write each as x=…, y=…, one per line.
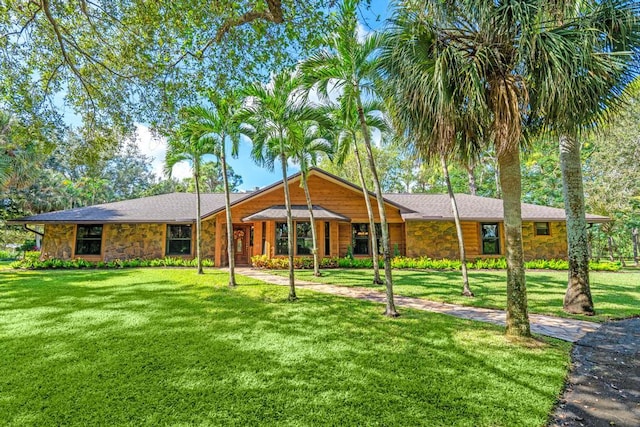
x=165, y=346
x=615, y=295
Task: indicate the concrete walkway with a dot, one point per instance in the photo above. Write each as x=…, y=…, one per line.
x=565, y=329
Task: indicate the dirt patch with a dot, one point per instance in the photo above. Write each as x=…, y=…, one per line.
x=603, y=388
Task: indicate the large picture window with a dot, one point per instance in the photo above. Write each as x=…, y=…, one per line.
x=490, y=239
x=360, y=239
x=304, y=238
x=282, y=235
x=179, y=239
x=89, y=239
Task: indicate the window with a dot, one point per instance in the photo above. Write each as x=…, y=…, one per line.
x=282, y=234
x=490, y=239
x=304, y=239
x=179, y=239
x=327, y=238
x=264, y=238
x=542, y=228
x=360, y=239
x=89, y=239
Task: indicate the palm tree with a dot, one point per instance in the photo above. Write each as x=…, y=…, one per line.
x=214, y=127
x=275, y=113
x=592, y=76
x=351, y=67
x=347, y=127
x=312, y=140
x=187, y=146
x=423, y=109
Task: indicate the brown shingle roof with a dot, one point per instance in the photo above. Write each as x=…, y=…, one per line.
x=174, y=207
x=473, y=208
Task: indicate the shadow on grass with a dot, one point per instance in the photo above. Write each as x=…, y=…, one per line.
x=615, y=295
x=150, y=347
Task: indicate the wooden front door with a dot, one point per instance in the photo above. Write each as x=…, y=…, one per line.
x=241, y=244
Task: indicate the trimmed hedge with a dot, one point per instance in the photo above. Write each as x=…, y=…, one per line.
x=422, y=263
x=31, y=261
x=55, y=263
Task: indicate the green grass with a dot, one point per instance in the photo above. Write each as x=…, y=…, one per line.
x=165, y=346
x=615, y=295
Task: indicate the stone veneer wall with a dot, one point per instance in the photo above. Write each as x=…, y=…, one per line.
x=127, y=241
x=208, y=239
x=435, y=239
x=553, y=246
x=58, y=241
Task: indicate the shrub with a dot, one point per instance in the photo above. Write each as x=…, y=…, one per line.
x=8, y=256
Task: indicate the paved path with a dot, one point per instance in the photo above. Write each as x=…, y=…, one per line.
x=565, y=329
x=603, y=388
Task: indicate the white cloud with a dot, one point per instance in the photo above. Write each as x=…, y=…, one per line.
x=156, y=147
x=362, y=32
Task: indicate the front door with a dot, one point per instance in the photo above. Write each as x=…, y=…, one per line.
x=241, y=244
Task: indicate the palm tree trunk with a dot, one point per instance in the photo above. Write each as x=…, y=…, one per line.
x=287, y=202
x=634, y=235
x=316, y=260
x=372, y=221
x=196, y=177
x=227, y=207
x=390, y=309
x=577, y=299
x=471, y=177
x=610, y=247
x=466, y=290
x=510, y=182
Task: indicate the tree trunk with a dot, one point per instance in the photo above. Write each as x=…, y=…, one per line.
x=314, y=236
x=196, y=178
x=466, y=290
x=610, y=247
x=372, y=221
x=634, y=235
x=290, y=230
x=473, y=188
x=496, y=174
x=510, y=182
x=390, y=309
x=577, y=299
x=227, y=206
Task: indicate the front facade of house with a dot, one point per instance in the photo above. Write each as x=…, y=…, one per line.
x=419, y=225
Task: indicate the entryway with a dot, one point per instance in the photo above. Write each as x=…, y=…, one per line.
x=241, y=248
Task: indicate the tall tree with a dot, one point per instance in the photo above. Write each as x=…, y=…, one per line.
x=350, y=66
x=348, y=129
x=594, y=70
x=422, y=105
x=187, y=146
x=215, y=128
x=309, y=142
x=275, y=112
x=113, y=63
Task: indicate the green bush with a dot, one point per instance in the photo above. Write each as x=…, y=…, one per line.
x=8, y=256
x=30, y=261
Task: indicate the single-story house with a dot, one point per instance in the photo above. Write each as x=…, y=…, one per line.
x=419, y=225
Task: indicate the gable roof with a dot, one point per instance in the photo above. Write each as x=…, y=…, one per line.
x=312, y=171
x=473, y=208
x=181, y=207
